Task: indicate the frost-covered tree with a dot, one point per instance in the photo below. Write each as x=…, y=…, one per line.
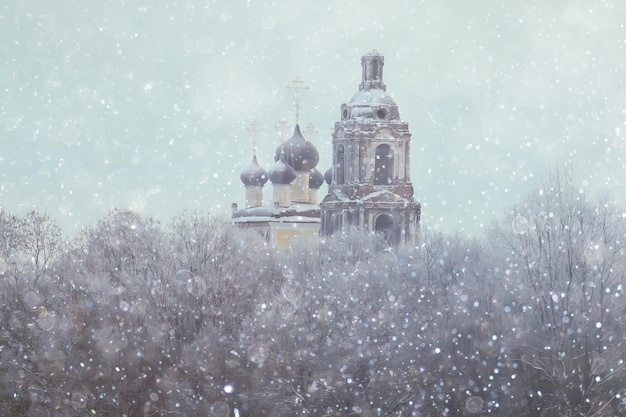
x=29, y=246
x=12, y=241
x=116, y=326
x=201, y=318
x=85, y=345
x=224, y=269
x=41, y=239
x=564, y=266
x=343, y=336
x=225, y=272
x=125, y=247
x=460, y=291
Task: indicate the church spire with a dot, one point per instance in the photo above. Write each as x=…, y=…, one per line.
x=372, y=64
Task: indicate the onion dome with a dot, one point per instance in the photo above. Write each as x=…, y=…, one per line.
x=300, y=154
x=254, y=174
x=282, y=173
x=328, y=176
x=316, y=179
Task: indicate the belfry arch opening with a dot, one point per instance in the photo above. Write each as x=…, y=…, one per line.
x=383, y=165
x=384, y=226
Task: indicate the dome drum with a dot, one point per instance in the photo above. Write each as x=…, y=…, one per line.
x=345, y=112
x=386, y=113
x=381, y=108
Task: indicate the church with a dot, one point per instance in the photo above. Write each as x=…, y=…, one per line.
x=369, y=186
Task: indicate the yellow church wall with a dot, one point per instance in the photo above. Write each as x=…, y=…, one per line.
x=284, y=237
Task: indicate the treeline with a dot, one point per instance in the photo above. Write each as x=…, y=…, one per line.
x=199, y=318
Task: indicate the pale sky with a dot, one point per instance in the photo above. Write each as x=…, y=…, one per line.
x=145, y=104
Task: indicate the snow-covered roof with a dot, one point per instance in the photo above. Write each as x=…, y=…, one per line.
x=372, y=97
x=298, y=213
x=280, y=219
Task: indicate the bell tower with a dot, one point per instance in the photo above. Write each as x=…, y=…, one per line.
x=370, y=186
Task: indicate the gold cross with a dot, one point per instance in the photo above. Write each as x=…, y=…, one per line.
x=311, y=131
x=298, y=88
x=254, y=130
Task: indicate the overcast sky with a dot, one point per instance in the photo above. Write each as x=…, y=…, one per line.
x=145, y=104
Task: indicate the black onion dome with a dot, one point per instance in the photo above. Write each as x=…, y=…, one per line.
x=300, y=154
x=254, y=174
x=328, y=176
x=316, y=179
x=282, y=173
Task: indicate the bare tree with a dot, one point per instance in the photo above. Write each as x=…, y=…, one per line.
x=11, y=249
x=42, y=240
x=455, y=284
x=11, y=235
x=135, y=319
x=125, y=246
x=122, y=328
x=344, y=338
x=564, y=259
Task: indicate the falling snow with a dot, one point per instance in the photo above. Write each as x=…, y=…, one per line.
x=124, y=291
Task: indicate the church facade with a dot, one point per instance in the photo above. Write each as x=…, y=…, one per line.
x=369, y=186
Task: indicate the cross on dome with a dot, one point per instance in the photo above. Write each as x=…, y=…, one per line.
x=298, y=88
x=282, y=127
x=254, y=130
x=310, y=131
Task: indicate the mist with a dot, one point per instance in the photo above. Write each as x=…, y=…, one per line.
x=145, y=107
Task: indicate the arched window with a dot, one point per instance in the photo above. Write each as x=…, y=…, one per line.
x=383, y=166
x=361, y=165
x=383, y=225
x=339, y=165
